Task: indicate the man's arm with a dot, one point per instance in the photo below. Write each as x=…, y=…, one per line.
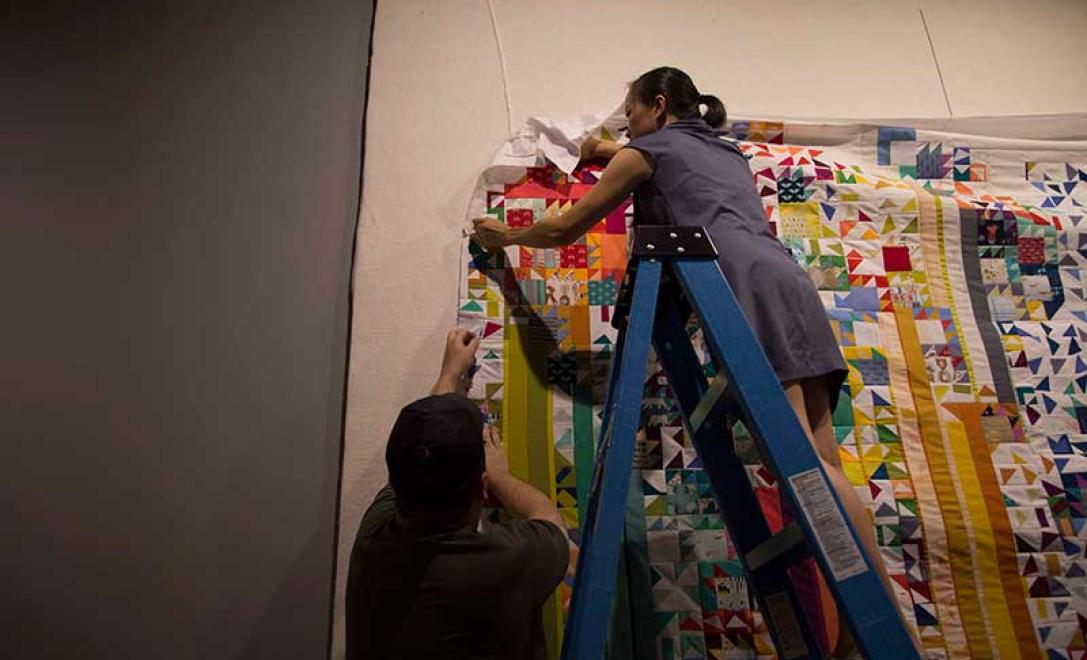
x=516, y=496
x=457, y=361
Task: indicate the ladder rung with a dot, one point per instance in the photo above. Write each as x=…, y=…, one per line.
x=718, y=387
x=777, y=545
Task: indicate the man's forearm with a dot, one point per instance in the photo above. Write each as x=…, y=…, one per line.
x=448, y=384
x=524, y=501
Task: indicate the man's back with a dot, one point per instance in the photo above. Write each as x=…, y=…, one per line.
x=454, y=593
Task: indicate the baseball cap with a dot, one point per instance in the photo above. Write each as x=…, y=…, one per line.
x=435, y=451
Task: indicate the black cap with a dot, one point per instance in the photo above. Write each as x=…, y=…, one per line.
x=435, y=450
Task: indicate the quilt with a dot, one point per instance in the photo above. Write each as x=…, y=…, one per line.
x=952, y=269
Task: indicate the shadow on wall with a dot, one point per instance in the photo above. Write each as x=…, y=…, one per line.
x=540, y=337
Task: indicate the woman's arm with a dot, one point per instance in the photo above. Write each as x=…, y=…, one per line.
x=625, y=171
x=594, y=149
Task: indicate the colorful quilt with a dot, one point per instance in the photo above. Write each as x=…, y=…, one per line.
x=952, y=269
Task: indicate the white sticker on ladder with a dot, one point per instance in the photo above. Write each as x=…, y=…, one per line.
x=826, y=520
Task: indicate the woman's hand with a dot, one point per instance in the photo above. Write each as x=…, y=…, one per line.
x=594, y=149
x=490, y=233
x=588, y=149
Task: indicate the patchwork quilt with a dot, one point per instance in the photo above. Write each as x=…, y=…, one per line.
x=952, y=269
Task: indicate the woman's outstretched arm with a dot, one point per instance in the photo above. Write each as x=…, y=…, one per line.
x=594, y=149
x=625, y=171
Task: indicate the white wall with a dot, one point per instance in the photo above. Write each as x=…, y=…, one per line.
x=438, y=112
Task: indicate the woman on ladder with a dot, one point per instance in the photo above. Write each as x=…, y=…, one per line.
x=681, y=171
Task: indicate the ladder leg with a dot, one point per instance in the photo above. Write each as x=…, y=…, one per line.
x=746, y=526
x=592, y=601
x=859, y=593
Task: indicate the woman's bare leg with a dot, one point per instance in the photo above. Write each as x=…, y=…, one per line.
x=811, y=403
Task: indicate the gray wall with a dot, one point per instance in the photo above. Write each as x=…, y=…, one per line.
x=178, y=191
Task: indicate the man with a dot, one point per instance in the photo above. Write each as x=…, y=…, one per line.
x=426, y=580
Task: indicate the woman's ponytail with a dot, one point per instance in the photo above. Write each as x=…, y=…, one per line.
x=714, y=114
x=683, y=98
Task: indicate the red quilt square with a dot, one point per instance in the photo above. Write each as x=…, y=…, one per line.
x=519, y=217
x=1031, y=250
x=540, y=175
x=574, y=256
x=896, y=258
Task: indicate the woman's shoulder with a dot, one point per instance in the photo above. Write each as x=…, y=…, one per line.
x=705, y=146
x=730, y=143
x=657, y=138
x=663, y=142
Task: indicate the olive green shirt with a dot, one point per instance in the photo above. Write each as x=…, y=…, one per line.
x=450, y=593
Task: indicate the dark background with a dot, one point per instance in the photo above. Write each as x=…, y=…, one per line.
x=178, y=196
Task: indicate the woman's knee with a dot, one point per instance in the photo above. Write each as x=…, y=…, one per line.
x=817, y=409
x=816, y=426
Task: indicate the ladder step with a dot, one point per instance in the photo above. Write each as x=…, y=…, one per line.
x=717, y=389
x=782, y=543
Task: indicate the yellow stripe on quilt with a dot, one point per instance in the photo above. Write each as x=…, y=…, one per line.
x=515, y=401
x=959, y=550
x=540, y=394
x=939, y=567
x=985, y=559
x=1006, y=557
x=527, y=436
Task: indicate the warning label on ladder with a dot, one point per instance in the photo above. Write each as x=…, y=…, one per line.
x=826, y=520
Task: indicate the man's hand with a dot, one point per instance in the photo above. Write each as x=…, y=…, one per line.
x=460, y=353
x=491, y=234
x=496, y=466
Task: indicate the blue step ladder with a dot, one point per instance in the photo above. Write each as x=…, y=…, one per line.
x=672, y=271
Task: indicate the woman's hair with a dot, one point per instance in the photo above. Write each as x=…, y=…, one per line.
x=683, y=97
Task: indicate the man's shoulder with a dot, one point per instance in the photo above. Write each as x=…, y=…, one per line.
x=378, y=515
x=524, y=526
x=539, y=553
x=528, y=535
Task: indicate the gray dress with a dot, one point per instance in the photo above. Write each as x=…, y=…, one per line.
x=701, y=179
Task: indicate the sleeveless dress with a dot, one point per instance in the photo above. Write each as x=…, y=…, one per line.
x=701, y=178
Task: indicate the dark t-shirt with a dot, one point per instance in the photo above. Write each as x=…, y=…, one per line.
x=451, y=594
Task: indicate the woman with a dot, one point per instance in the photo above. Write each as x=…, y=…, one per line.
x=682, y=172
